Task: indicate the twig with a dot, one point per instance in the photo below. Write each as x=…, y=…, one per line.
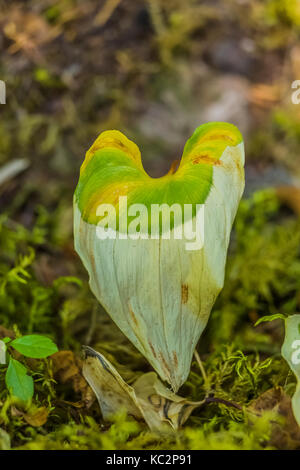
x=12, y=169
x=105, y=13
x=91, y=329
x=212, y=399
x=199, y=362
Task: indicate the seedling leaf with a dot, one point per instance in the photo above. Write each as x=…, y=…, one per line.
x=270, y=318
x=35, y=346
x=18, y=382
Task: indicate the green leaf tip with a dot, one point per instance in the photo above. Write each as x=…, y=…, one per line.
x=113, y=168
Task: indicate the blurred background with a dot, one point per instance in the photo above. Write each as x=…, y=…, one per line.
x=156, y=70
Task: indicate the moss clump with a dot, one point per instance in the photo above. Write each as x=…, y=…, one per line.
x=241, y=362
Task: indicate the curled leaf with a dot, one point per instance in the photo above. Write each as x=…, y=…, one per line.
x=147, y=399
x=159, y=288
x=66, y=368
x=37, y=417
x=268, y=318
x=34, y=416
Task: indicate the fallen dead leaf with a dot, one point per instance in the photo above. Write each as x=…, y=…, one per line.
x=146, y=399
x=37, y=418
x=28, y=32
x=15, y=412
x=285, y=435
x=67, y=369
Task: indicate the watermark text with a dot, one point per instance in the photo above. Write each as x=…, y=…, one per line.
x=162, y=221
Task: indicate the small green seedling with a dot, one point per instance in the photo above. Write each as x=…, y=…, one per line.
x=17, y=380
x=291, y=352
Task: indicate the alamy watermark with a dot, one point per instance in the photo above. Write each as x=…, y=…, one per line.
x=164, y=221
x=296, y=94
x=295, y=358
x=2, y=92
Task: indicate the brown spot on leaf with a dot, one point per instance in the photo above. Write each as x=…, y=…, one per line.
x=219, y=137
x=155, y=400
x=92, y=260
x=133, y=315
x=175, y=358
x=152, y=349
x=184, y=293
x=164, y=362
x=206, y=159
x=174, y=166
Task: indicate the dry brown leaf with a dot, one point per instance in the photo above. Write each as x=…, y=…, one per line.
x=28, y=31
x=264, y=96
x=15, y=412
x=37, y=418
x=5, y=333
x=67, y=368
x=146, y=399
x=285, y=435
x=290, y=195
x=74, y=404
x=64, y=366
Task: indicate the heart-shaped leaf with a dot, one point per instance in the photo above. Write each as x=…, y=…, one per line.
x=159, y=285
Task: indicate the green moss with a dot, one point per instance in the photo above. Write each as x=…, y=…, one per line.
x=50, y=123
x=263, y=272
x=241, y=361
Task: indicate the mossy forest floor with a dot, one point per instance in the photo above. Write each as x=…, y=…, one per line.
x=155, y=70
